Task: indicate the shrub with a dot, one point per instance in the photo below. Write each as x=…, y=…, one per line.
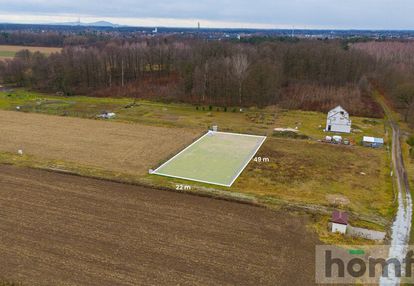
x=370, y=121
x=410, y=141
x=290, y=134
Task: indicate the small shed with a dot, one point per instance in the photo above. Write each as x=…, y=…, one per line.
x=373, y=142
x=339, y=222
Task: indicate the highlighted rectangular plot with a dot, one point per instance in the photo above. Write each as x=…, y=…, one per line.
x=216, y=158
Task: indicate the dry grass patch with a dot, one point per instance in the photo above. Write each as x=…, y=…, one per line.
x=313, y=123
x=251, y=120
x=310, y=172
x=119, y=147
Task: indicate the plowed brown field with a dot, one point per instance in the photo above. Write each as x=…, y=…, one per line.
x=59, y=229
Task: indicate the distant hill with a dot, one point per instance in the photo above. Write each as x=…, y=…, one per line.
x=92, y=24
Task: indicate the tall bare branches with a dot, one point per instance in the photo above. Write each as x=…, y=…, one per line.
x=240, y=64
x=307, y=74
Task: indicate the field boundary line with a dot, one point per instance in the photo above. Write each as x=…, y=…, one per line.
x=239, y=134
x=215, y=194
x=179, y=153
x=211, y=193
x=250, y=159
x=263, y=139
x=195, y=180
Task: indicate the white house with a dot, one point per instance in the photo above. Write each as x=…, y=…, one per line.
x=338, y=121
x=339, y=222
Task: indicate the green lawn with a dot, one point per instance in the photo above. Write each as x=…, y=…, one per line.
x=213, y=158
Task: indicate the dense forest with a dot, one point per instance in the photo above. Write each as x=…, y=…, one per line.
x=301, y=74
x=394, y=72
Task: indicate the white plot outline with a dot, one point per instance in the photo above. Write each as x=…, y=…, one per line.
x=155, y=172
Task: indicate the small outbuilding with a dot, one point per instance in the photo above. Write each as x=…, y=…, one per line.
x=339, y=222
x=337, y=139
x=107, y=115
x=373, y=142
x=338, y=121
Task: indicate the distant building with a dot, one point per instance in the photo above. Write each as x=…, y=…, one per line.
x=339, y=222
x=372, y=142
x=106, y=115
x=338, y=121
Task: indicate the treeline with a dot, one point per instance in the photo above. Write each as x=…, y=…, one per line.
x=50, y=38
x=394, y=72
x=306, y=74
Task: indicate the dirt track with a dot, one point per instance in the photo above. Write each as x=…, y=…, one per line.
x=401, y=227
x=58, y=229
x=127, y=148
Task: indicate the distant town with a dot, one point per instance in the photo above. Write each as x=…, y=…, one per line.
x=103, y=27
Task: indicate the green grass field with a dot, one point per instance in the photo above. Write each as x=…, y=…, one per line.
x=7, y=54
x=213, y=158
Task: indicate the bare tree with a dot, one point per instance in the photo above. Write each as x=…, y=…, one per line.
x=205, y=74
x=240, y=65
x=405, y=95
x=309, y=74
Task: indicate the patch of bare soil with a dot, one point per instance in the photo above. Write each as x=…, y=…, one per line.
x=59, y=229
x=337, y=200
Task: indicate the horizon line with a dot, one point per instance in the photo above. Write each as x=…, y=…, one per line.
x=115, y=25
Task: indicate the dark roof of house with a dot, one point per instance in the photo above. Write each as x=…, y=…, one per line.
x=339, y=217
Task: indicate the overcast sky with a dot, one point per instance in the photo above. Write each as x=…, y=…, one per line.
x=331, y=14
